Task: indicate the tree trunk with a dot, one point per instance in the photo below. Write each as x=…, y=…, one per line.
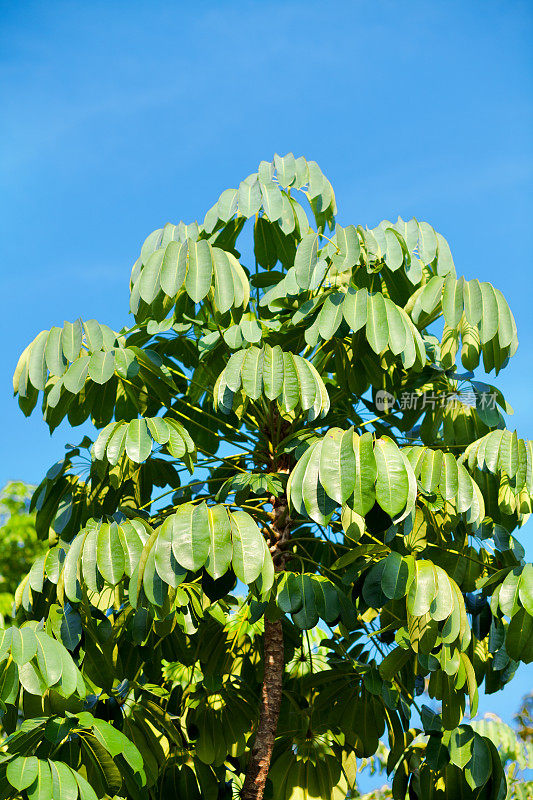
x=259, y=765
x=274, y=665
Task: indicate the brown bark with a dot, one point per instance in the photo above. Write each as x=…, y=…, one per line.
x=274, y=665
x=259, y=765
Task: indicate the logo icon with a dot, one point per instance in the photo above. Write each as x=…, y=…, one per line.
x=384, y=400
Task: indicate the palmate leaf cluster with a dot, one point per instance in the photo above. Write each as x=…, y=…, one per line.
x=244, y=469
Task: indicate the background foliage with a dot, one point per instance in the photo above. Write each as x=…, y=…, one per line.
x=19, y=544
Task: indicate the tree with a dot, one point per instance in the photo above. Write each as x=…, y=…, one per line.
x=19, y=545
x=320, y=454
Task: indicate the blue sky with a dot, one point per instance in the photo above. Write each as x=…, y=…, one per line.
x=118, y=117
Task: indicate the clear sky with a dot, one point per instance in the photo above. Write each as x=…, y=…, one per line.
x=117, y=117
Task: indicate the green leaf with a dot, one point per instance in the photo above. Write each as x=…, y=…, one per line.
x=49, y=658
x=306, y=259
x=273, y=371
x=295, y=482
x=252, y=373
x=353, y=524
x=9, y=681
x=173, y=267
x=307, y=616
x=22, y=771
x=508, y=453
x=91, y=573
x=479, y=769
x=272, y=200
x=349, y=246
x=355, y=308
x=6, y=637
x=509, y=593
x=101, y=366
x=431, y=470
x=429, y=299
x=154, y=588
x=490, y=316
x=159, y=429
x=248, y=552
x=64, y=786
x=377, y=329
x=32, y=680
x=94, y=336
x=393, y=662
x=317, y=504
x=249, y=197
x=427, y=243
x=442, y=605
x=200, y=270
x=397, y=331
x=41, y=789
x=232, y=373
x=461, y=746
x=452, y=300
x=109, y=553
x=117, y=443
x=55, y=359
x=473, y=301
x=445, y=260
x=394, y=577
x=138, y=441
x=251, y=330
x=86, y=790
x=331, y=315
x=471, y=682
x=291, y=389
x=224, y=291
x=285, y=168
x=165, y=562
x=394, y=252
x=290, y=594
x=72, y=339
x=70, y=569
x=364, y=495
x=525, y=590
x=227, y=204
x=70, y=629
x=220, y=549
x=75, y=376
x=392, y=481
x=423, y=588
x=23, y=645
x=150, y=282
x=506, y=323
x=326, y=599
x=337, y=465
x=126, y=364
x=133, y=536
x=449, y=482
x=519, y=638
x=190, y=536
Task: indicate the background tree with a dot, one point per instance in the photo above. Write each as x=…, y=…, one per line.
x=524, y=719
x=320, y=453
x=19, y=544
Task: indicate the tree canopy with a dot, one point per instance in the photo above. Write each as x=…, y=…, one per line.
x=293, y=531
x=19, y=545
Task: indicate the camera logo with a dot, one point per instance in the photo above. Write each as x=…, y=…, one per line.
x=384, y=400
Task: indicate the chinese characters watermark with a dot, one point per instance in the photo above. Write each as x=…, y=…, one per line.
x=409, y=401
